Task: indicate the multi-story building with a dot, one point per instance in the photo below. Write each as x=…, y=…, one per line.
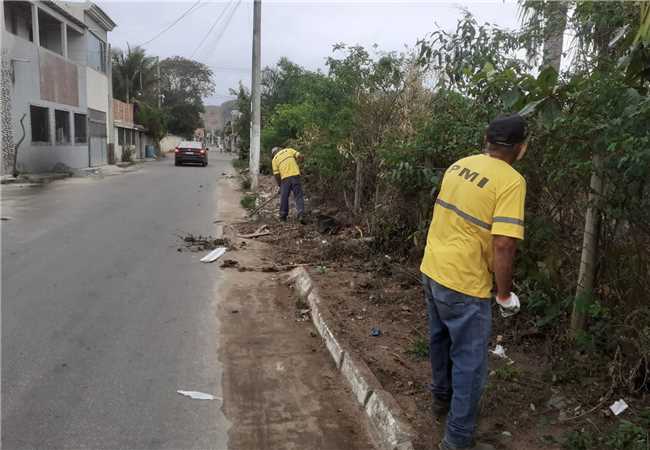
x=59, y=60
x=130, y=138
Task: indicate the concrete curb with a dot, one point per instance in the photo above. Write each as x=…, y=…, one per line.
x=40, y=178
x=387, y=424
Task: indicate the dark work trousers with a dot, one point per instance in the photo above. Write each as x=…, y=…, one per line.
x=288, y=185
x=459, y=334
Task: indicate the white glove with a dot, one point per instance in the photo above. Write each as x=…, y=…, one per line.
x=510, y=306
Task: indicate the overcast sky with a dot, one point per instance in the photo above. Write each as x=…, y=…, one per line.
x=302, y=31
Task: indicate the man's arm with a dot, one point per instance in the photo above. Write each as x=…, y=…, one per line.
x=504, y=254
x=278, y=179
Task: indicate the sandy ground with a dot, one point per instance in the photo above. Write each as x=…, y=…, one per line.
x=281, y=388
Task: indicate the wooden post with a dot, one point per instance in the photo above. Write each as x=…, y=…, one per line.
x=358, y=185
x=589, y=254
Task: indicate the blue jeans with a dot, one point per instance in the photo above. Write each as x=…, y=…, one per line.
x=288, y=185
x=459, y=331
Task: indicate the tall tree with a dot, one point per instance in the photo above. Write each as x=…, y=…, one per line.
x=597, y=24
x=185, y=81
x=555, y=13
x=544, y=23
x=241, y=125
x=184, y=84
x=134, y=75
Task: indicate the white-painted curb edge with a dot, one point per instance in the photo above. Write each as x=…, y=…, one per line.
x=388, y=427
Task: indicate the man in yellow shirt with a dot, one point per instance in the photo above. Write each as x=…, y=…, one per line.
x=287, y=175
x=477, y=220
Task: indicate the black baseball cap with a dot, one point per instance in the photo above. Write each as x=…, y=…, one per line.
x=507, y=130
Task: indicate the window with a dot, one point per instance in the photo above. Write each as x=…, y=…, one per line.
x=96, y=53
x=76, y=45
x=62, y=126
x=79, y=128
x=120, y=136
x=40, y=121
x=18, y=19
x=49, y=32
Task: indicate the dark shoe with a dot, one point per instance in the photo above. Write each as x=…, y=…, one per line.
x=440, y=407
x=301, y=219
x=283, y=218
x=477, y=446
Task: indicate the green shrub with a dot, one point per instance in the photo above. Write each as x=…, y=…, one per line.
x=249, y=201
x=628, y=436
x=507, y=373
x=579, y=440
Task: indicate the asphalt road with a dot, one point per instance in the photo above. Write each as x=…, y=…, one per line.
x=103, y=320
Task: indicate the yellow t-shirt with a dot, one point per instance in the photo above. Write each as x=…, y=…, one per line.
x=284, y=163
x=480, y=196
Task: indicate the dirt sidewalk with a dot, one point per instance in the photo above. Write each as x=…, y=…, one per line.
x=281, y=389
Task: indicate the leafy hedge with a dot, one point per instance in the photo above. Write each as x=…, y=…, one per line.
x=384, y=126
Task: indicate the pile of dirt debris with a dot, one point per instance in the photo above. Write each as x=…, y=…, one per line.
x=200, y=243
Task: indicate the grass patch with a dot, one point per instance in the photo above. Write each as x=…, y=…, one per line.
x=248, y=201
x=419, y=348
x=626, y=435
x=245, y=183
x=507, y=373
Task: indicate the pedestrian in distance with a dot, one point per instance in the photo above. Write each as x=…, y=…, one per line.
x=478, y=218
x=287, y=174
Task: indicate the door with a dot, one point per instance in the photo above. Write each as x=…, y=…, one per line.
x=97, y=141
x=98, y=153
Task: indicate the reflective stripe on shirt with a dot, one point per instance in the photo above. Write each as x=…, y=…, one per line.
x=464, y=215
x=511, y=220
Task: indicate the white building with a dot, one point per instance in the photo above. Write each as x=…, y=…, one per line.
x=59, y=60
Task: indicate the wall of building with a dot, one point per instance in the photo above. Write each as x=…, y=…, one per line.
x=59, y=79
x=95, y=28
x=169, y=143
x=65, y=96
x=123, y=111
x=116, y=144
x=97, y=90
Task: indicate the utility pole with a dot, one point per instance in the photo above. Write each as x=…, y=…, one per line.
x=256, y=95
x=158, y=77
x=232, y=139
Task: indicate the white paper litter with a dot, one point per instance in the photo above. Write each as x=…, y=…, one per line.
x=198, y=395
x=214, y=255
x=499, y=351
x=618, y=407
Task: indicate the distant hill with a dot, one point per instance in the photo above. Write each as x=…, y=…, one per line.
x=215, y=117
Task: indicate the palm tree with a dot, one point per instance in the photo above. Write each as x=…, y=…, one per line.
x=134, y=74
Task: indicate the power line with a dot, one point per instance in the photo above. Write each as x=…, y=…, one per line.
x=173, y=23
x=214, y=24
x=225, y=25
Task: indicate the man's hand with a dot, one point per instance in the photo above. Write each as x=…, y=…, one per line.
x=510, y=305
x=504, y=249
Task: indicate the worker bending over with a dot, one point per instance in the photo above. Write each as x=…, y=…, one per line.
x=287, y=175
x=477, y=219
